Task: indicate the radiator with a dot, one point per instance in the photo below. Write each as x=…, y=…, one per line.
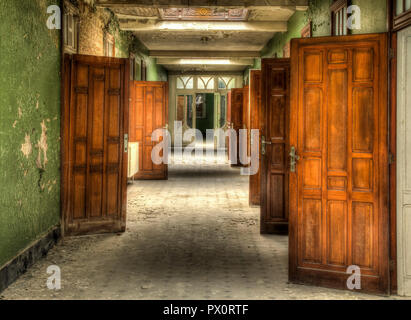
x=133, y=161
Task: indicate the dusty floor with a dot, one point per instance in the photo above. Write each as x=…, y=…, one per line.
x=191, y=237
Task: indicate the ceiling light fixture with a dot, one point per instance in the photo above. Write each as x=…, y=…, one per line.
x=203, y=26
x=205, y=61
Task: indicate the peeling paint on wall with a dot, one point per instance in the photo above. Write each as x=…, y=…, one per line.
x=373, y=20
x=42, y=146
x=30, y=62
x=26, y=147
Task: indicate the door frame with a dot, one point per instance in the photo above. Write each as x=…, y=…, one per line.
x=403, y=279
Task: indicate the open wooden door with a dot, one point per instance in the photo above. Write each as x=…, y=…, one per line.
x=339, y=200
x=274, y=123
x=236, y=114
x=254, y=116
x=229, y=122
x=246, y=122
x=94, y=155
x=148, y=112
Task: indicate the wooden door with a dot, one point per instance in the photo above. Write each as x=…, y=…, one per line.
x=237, y=96
x=94, y=125
x=339, y=200
x=246, y=121
x=404, y=161
x=148, y=112
x=254, y=116
x=274, y=122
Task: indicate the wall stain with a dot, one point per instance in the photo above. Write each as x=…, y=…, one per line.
x=42, y=146
x=26, y=147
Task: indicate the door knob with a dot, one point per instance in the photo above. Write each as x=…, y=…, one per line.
x=263, y=145
x=294, y=158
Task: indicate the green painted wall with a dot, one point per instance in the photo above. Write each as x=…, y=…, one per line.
x=257, y=65
x=373, y=20
x=155, y=72
x=29, y=125
x=373, y=16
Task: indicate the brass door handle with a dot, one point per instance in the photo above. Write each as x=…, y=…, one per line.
x=294, y=158
x=263, y=145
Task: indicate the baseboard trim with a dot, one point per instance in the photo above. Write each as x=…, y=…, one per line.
x=11, y=271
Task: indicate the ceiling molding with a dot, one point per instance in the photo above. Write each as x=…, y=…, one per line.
x=249, y=4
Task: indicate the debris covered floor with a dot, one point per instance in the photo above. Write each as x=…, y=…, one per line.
x=191, y=237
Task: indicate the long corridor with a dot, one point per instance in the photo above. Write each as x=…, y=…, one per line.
x=191, y=237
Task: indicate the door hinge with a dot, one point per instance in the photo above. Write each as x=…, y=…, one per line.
x=391, y=158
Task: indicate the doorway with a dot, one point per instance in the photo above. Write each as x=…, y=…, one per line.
x=403, y=152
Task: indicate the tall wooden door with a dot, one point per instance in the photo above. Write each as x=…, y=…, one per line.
x=246, y=122
x=254, y=116
x=404, y=161
x=148, y=112
x=229, y=122
x=95, y=123
x=339, y=200
x=237, y=100
x=274, y=123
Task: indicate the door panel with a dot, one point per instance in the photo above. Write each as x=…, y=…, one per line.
x=148, y=112
x=404, y=162
x=246, y=120
x=237, y=114
x=94, y=159
x=255, y=106
x=229, y=122
x=274, y=123
x=338, y=207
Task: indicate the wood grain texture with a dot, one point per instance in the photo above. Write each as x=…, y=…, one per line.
x=339, y=204
x=148, y=112
x=95, y=165
x=254, y=116
x=237, y=116
x=274, y=124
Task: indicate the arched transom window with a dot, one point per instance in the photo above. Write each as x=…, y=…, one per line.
x=185, y=83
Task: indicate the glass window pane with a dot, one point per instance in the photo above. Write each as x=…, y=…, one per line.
x=336, y=24
x=180, y=84
x=200, y=84
x=190, y=83
x=221, y=84
x=345, y=21
x=210, y=85
x=231, y=83
x=399, y=7
x=407, y=5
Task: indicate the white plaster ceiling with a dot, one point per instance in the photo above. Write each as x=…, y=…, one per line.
x=251, y=31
